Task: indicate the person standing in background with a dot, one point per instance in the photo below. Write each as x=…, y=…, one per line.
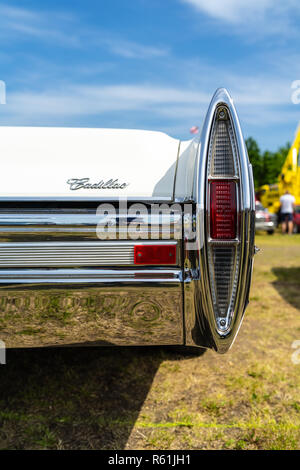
x=287, y=205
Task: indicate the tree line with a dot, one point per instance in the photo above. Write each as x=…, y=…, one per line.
x=266, y=165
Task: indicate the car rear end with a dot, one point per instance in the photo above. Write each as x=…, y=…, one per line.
x=158, y=251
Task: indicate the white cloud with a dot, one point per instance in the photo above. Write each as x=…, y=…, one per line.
x=16, y=22
x=67, y=30
x=175, y=102
x=234, y=11
x=90, y=100
x=262, y=17
x=133, y=50
x=170, y=109
x=9, y=13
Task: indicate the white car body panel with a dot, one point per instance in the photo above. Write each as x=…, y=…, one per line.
x=37, y=162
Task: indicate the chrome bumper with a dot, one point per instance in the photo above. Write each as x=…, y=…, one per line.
x=100, y=306
x=60, y=284
x=265, y=226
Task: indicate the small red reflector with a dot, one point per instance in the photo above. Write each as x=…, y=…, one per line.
x=223, y=210
x=155, y=254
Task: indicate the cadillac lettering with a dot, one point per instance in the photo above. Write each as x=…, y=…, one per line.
x=84, y=183
x=126, y=237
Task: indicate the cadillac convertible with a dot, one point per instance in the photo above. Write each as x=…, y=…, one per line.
x=126, y=237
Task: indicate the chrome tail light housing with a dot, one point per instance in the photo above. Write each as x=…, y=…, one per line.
x=225, y=222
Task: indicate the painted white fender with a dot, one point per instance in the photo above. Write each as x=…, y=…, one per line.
x=41, y=162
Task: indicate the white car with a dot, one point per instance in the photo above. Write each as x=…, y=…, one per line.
x=264, y=220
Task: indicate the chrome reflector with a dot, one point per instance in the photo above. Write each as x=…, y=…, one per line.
x=222, y=158
x=223, y=266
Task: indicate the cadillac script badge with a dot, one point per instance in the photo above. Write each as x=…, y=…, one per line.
x=84, y=183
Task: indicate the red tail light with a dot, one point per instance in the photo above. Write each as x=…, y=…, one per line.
x=155, y=254
x=223, y=210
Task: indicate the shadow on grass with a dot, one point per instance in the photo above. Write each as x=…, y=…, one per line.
x=288, y=284
x=75, y=398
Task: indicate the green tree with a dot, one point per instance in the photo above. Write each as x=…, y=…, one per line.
x=266, y=166
x=256, y=160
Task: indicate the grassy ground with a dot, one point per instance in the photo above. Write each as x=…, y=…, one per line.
x=155, y=399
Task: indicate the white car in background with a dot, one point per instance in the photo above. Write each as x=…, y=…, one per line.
x=265, y=220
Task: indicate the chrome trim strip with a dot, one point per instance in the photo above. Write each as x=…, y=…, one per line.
x=83, y=199
x=212, y=241
x=86, y=225
x=92, y=275
x=228, y=178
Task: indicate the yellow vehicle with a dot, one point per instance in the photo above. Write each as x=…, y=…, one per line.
x=289, y=179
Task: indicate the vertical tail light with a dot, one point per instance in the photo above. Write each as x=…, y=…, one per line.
x=220, y=270
x=223, y=199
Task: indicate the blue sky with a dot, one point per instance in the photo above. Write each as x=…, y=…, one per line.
x=150, y=64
